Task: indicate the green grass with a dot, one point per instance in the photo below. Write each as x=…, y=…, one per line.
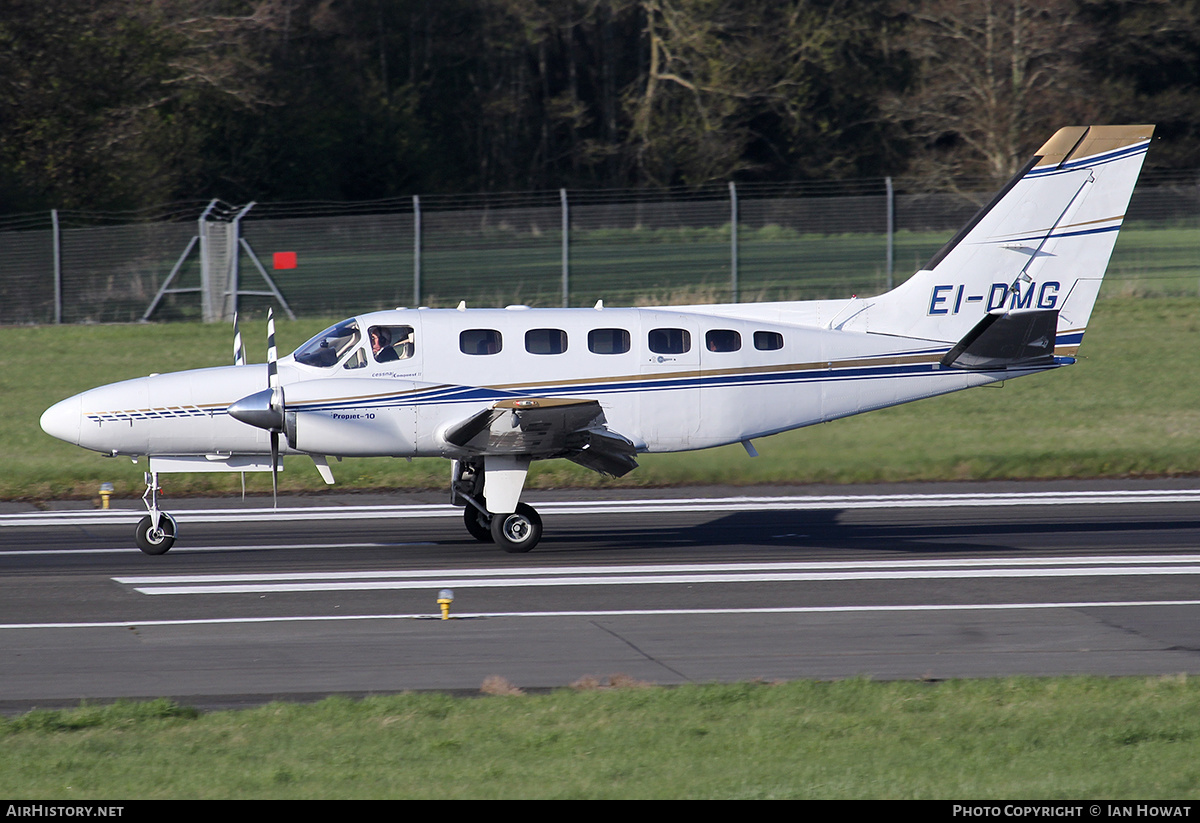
x=1021, y=738
x=342, y=271
x=1129, y=408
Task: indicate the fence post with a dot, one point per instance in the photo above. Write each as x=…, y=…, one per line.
x=733, y=241
x=56, y=239
x=234, y=284
x=891, y=230
x=566, y=250
x=416, y=251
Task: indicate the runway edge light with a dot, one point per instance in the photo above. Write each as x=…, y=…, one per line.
x=445, y=598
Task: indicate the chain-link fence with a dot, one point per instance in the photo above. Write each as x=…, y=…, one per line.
x=711, y=244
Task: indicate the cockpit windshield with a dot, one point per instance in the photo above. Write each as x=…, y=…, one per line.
x=327, y=348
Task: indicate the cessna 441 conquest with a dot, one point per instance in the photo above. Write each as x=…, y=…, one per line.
x=493, y=389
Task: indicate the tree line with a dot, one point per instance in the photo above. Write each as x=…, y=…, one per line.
x=123, y=104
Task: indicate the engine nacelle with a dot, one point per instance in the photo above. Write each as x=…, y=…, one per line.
x=350, y=417
x=353, y=417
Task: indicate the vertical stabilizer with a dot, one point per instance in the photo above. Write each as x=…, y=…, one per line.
x=1042, y=244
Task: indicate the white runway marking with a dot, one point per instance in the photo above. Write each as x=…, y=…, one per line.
x=188, y=549
x=985, y=607
x=793, y=503
x=276, y=582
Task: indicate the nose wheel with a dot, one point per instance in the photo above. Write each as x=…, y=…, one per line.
x=155, y=539
x=155, y=533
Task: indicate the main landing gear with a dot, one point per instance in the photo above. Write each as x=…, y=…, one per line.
x=155, y=533
x=515, y=532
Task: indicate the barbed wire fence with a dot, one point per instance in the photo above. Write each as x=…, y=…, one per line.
x=721, y=243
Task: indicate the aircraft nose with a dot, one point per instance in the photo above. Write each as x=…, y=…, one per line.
x=62, y=419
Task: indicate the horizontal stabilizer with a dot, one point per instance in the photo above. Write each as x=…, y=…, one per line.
x=1005, y=340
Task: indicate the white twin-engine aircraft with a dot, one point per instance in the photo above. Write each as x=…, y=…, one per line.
x=493, y=389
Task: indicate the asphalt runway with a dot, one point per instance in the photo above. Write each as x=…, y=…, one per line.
x=338, y=594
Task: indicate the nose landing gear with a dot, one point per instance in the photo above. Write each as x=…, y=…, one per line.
x=155, y=533
x=155, y=539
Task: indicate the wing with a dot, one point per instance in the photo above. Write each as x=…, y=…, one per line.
x=547, y=427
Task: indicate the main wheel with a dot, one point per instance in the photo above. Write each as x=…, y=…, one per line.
x=478, y=524
x=155, y=541
x=517, y=532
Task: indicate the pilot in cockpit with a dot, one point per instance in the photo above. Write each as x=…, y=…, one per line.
x=384, y=350
x=381, y=345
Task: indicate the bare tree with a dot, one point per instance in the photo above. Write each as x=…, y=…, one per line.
x=94, y=93
x=992, y=79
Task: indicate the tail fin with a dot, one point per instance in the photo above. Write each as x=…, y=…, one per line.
x=1043, y=243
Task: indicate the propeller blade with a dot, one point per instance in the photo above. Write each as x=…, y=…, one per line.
x=272, y=354
x=276, y=403
x=239, y=350
x=274, y=469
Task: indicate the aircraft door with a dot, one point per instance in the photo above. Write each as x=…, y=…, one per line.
x=670, y=388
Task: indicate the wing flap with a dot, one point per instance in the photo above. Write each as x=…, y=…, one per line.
x=605, y=452
x=545, y=427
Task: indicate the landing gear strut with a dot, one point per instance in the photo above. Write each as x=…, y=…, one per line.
x=155, y=533
x=515, y=532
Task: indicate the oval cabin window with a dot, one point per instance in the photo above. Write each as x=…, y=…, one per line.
x=608, y=341
x=669, y=341
x=545, y=341
x=722, y=340
x=768, y=340
x=480, y=341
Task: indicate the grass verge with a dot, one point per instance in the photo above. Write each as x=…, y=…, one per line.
x=1129, y=408
x=1025, y=738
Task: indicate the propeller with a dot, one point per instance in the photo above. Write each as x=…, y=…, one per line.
x=276, y=404
x=239, y=350
x=265, y=409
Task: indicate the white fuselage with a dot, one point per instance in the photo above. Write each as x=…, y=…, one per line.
x=691, y=378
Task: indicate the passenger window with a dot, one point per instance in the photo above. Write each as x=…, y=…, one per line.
x=768, y=340
x=669, y=341
x=480, y=341
x=608, y=341
x=390, y=343
x=545, y=341
x=722, y=340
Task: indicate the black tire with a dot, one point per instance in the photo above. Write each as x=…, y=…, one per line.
x=478, y=524
x=518, y=532
x=155, y=542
